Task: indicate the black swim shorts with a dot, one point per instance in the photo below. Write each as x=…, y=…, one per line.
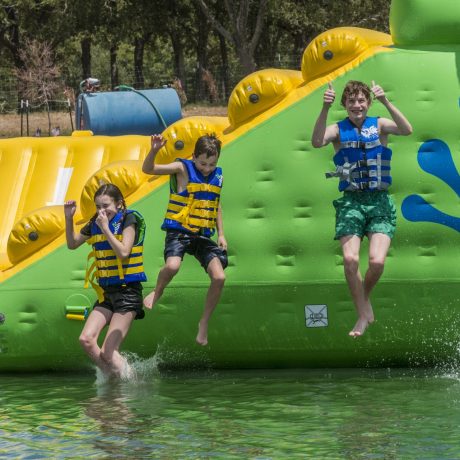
x=123, y=298
x=204, y=249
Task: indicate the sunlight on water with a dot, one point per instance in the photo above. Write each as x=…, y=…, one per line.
x=284, y=414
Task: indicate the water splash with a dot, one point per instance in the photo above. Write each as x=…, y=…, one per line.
x=136, y=370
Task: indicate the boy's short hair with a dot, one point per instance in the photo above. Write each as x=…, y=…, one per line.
x=207, y=145
x=353, y=88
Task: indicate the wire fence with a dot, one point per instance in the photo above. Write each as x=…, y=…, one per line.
x=211, y=86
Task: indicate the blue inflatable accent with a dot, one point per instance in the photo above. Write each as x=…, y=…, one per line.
x=116, y=113
x=434, y=157
x=417, y=209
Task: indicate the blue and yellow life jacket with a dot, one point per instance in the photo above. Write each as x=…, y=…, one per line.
x=107, y=268
x=194, y=210
x=362, y=163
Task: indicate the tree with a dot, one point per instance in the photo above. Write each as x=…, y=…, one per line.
x=86, y=19
x=243, y=33
x=9, y=33
x=39, y=77
x=201, y=54
x=179, y=27
x=41, y=20
x=300, y=21
x=144, y=22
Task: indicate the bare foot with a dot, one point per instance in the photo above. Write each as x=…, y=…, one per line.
x=364, y=320
x=360, y=327
x=149, y=300
x=202, y=336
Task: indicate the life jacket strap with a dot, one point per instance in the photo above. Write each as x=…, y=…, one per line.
x=194, y=187
x=91, y=275
x=99, y=238
x=108, y=273
x=360, y=144
x=347, y=170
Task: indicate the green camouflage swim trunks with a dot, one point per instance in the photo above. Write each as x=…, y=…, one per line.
x=360, y=213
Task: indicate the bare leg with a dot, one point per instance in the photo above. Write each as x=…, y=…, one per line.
x=165, y=276
x=351, y=245
x=379, y=244
x=96, y=321
x=118, y=329
x=217, y=275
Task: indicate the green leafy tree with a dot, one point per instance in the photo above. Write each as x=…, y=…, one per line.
x=85, y=17
x=245, y=20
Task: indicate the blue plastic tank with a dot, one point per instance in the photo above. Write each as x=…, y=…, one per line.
x=116, y=113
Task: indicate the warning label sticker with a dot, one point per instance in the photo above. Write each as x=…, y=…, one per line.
x=316, y=315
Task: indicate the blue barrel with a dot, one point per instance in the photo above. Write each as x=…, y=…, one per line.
x=115, y=113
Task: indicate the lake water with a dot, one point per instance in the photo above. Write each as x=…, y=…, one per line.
x=273, y=414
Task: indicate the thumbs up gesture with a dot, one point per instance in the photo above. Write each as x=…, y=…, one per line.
x=378, y=92
x=329, y=95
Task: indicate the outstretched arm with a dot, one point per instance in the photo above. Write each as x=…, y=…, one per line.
x=150, y=167
x=399, y=125
x=74, y=240
x=221, y=241
x=322, y=134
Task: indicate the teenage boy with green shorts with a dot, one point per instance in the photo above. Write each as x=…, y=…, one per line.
x=362, y=161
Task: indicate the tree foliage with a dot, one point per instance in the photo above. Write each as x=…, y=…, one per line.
x=208, y=45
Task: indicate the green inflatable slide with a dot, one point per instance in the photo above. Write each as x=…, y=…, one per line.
x=285, y=301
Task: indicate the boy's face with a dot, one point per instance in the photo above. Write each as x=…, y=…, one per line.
x=206, y=165
x=357, y=106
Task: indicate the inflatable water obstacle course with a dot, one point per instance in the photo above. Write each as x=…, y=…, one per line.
x=285, y=303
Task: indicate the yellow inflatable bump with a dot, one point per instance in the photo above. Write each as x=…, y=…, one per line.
x=259, y=91
x=82, y=133
x=34, y=231
x=336, y=47
x=126, y=175
x=182, y=135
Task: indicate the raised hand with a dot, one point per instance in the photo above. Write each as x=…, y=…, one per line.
x=378, y=92
x=70, y=208
x=329, y=95
x=157, y=142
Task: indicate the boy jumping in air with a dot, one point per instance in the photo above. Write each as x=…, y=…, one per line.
x=194, y=214
x=362, y=161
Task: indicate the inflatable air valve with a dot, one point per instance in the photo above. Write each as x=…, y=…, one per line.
x=76, y=309
x=75, y=317
x=77, y=313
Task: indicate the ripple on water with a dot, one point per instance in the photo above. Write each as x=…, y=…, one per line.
x=233, y=414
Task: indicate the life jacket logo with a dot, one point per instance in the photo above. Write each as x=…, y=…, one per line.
x=220, y=178
x=116, y=227
x=369, y=132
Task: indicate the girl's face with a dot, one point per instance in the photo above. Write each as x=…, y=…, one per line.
x=107, y=203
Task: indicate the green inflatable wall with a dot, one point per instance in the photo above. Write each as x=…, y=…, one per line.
x=285, y=302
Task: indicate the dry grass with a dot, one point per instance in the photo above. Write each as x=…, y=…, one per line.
x=10, y=125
